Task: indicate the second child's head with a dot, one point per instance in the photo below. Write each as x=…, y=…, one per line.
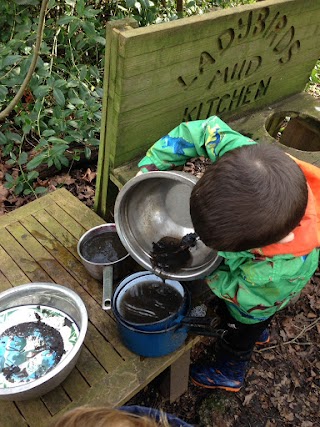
x=251, y=197
x=105, y=417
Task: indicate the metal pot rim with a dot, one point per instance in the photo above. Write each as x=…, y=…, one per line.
x=147, y=327
x=85, y=236
x=28, y=388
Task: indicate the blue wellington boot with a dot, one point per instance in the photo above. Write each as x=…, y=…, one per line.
x=224, y=374
x=264, y=337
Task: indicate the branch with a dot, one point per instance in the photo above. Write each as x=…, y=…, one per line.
x=4, y=113
x=293, y=340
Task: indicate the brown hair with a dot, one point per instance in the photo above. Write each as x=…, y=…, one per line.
x=251, y=197
x=104, y=417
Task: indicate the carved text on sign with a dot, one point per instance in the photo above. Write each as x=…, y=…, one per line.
x=213, y=72
x=229, y=101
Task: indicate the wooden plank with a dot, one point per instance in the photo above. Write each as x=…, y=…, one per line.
x=76, y=209
x=10, y=416
x=108, y=357
x=46, y=229
x=270, y=18
x=66, y=254
x=176, y=379
x=4, y=283
x=23, y=211
x=35, y=412
x=56, y=400
x=135, y=373
x=9, y=267
x=75, y=385
x=63, y=218
x=108, y=126
x=90, y=367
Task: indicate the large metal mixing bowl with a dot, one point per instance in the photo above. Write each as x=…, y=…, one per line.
x=155, y=205
x=56, y=297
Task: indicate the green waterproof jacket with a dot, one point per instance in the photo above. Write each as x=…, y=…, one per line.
x=253, y=285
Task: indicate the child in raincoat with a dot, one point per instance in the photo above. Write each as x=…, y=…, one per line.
x=260, y=209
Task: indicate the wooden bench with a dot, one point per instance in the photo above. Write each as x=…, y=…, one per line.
x=250, y=63
x=38, y=243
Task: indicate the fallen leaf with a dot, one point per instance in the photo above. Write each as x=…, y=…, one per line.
x=89, y=175
x=248, y=398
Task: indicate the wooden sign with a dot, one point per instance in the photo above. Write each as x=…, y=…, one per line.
x=220, y=63
x=226, y=63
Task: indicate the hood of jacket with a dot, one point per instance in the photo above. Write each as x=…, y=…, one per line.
x=307, y=234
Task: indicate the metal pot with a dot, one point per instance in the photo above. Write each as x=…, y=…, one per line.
x=129, y=285
x=56, y=297
x=160, y=338
x=94, y=259
x=155, y=205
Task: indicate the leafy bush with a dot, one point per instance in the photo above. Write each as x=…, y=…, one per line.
x=58, y=118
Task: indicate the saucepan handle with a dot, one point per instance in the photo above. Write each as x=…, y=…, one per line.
x=107, y=287
x=205, y=326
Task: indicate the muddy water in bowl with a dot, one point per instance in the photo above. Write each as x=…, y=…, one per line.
x=104, y=257
x=149, y=302
x=103, y=249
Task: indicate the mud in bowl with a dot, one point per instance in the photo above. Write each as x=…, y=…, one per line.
x=104, y=257
x=151, y=326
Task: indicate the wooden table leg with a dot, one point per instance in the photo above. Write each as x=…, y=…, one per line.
x=176, y=378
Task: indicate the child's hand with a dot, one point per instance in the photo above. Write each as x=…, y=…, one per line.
x=139, y=173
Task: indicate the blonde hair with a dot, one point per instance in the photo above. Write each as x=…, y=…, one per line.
x=105, y=417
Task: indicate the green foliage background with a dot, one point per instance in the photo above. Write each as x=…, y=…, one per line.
x=57, y=122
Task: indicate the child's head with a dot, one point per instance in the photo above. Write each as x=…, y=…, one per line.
x=104, y=417
x=251, y=197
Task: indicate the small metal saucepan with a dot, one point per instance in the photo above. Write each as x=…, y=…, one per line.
x=165, y=335
x=104, y=257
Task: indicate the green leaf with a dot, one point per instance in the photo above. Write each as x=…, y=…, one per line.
x=59, y=96
x=66, y=20
x=27, y=2
x=12, y=136
x=56, y=140
x=60, y=83
x=83, y=72
x=48, y=132
x=18, y=188
x=41, y=91
x=36, y=161
x=57, y=163
x=11, y=59
x=100, y=40
x=3, y=139
x=90, y=13
x=87, y=152
x=3, y=91
x=32, y=175
x=23, y=158
x=76, y=101
x=40, y=190
x=88, y=28
x=64, y=161
x=130, y=3
x=93, y=141
x=9, y=178
x=80, y=7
